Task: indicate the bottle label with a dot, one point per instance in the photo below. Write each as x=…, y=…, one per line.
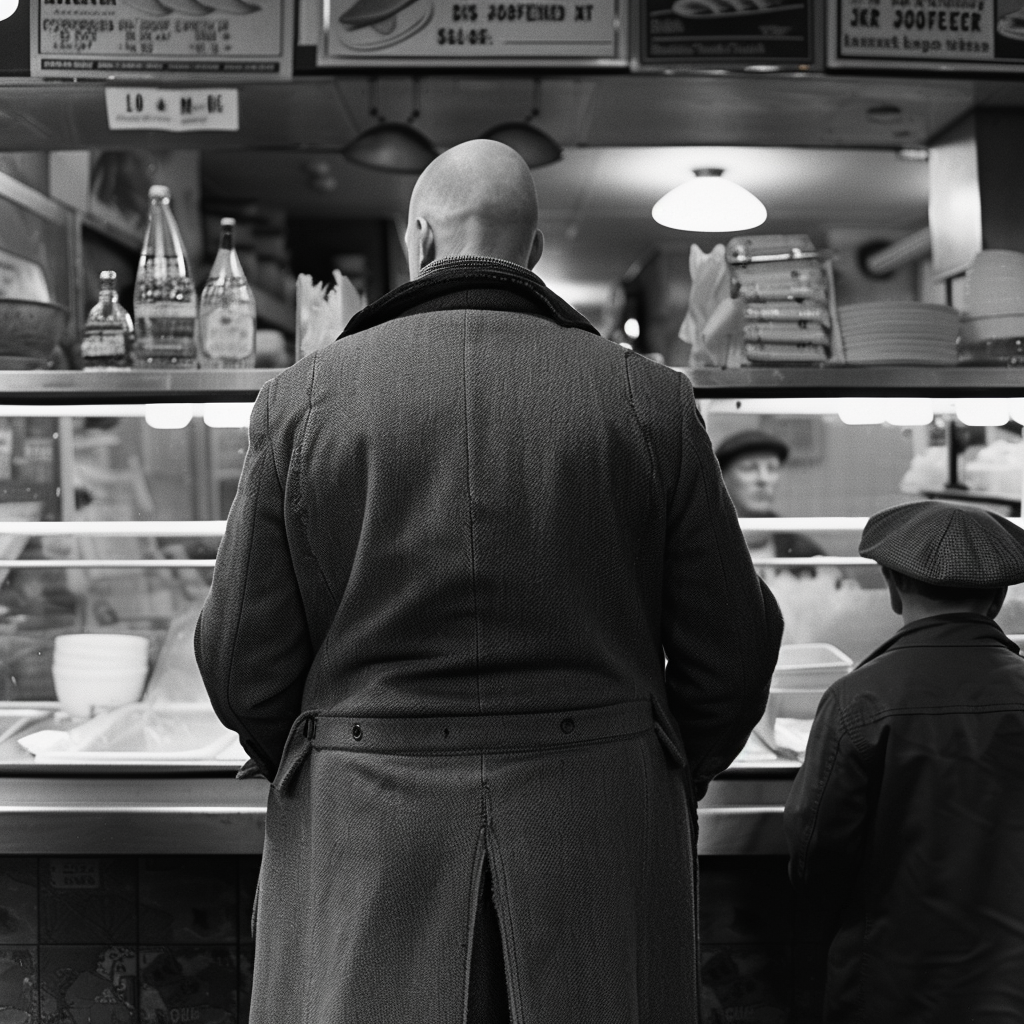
x=229, y=334
x=105, y=344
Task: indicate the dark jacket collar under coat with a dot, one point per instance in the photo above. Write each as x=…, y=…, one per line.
x=470, y=282
x=956, y=629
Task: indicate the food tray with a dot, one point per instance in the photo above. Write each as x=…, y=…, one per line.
x=809, y=667
x=144, y=733
x=15, y=717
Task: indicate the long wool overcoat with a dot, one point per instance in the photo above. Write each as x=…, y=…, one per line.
x=466, y=538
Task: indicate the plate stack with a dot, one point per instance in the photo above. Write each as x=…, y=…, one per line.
x=993, y=318
x=916, y=333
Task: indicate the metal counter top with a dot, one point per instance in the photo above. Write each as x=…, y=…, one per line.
x=741, y=814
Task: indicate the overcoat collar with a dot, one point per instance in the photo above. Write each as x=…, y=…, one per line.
x=469, y=274
x=957, y=629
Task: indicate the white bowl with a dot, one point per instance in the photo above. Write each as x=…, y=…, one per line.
x=99, y=642
x=100, y=660
x=80, y=696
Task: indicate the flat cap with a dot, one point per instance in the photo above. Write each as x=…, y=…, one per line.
x=747, y=441
x=946, y=545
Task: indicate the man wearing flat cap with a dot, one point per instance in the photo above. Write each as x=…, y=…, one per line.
x=906, y=822
x=751, y=462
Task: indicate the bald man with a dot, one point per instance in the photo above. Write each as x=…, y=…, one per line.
x=467, y=537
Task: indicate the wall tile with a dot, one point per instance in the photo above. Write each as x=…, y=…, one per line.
x=745, y=983
x=246, y=957
x=188, y=985
x=188, y=900
x=87, y=900
x=745, y=900
x=93, y=984
x=18, y=1004
x=19, y=900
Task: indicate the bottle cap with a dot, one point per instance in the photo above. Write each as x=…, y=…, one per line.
x=159, y=192
x=108, y=276
x=227, y=222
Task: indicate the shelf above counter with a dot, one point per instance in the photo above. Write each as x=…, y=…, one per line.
x=66, y=387
x=866, y=381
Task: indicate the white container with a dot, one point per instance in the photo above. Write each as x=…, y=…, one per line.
x=81, y=694
x=809, y=667
x=101, y=643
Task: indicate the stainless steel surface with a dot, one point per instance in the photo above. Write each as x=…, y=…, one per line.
x=739, y=815
x=117, y=528
x=131, y=816
x=785, y=382
x=67, y=386
x=742, y=813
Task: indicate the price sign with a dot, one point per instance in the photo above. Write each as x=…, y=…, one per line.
x=966, y=35
x=470, y=32
x=726, y=32
x=161, y=38
x=172, y=110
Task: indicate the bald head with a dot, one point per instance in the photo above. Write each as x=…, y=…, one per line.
x=476, y=199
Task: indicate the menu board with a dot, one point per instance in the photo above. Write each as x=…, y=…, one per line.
x=162, y=39
x=726, y=32
x=968, y=35
x=470, y=33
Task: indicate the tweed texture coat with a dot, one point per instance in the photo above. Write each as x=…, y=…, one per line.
x=466, y=538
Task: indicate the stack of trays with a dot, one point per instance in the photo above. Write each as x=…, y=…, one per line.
x=786, y=293
x=900, y=332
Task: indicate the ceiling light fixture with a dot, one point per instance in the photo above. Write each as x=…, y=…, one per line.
x=709, y=202
x=533, y=144
x=392, y=146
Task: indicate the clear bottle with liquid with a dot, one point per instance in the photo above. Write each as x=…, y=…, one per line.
x=108, y=335
x=227, y=309
x=165, y=297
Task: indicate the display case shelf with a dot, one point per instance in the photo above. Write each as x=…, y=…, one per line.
x=787, y=382
x=61, y=387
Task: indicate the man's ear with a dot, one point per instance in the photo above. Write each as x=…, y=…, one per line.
x=426, y=242
x=536, y=250
x=895, y=597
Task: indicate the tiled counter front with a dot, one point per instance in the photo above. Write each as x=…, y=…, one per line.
x=167, y=940
x=120, y=940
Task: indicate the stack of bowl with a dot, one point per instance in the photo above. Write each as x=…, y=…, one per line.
x=993, y=314
x=97, y=671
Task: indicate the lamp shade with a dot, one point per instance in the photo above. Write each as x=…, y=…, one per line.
x=536, y=147
x=709, y=202
x=391, y=146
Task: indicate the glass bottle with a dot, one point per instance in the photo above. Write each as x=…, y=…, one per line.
x=108, y=335
x=227, y=309
x=165, y=297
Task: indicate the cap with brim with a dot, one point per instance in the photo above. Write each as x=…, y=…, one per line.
x=747, y=441
x=946, y=545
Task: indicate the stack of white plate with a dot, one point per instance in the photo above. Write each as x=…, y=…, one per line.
x=94, y=671
x=994, y=305
x=899, y=332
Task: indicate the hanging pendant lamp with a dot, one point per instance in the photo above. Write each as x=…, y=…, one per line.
x=392, y=146
x=709, y=202
x=533, y=144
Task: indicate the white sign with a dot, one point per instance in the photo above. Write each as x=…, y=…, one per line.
x=443, y=32
x=983, y=35
x=161, y=38
x=172, y=110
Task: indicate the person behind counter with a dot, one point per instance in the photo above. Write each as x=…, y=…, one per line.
x=439, y=622
x=751, y=463
x=906, y=821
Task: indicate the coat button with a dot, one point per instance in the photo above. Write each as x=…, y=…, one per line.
x=357, y=732
x=567, y=725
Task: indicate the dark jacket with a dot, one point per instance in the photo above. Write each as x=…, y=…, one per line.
x=464, y=536
x=906, y=828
